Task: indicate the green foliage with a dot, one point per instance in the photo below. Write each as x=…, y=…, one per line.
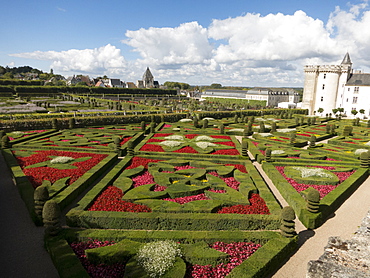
x=51, y=216
x=200, y=253
x=5, y=142
x=287, y=227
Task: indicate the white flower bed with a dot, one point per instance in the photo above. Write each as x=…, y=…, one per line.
x=274, y=152
x=174, y=137
x=265, y=134
x=236, y=130
x=204, y=138
x=204, y=145
x=285, y=130
x=61, y=160
x=171, y=144
x=158, y=256
x=17, y=133
x=312, y=172
x=360, y=151
x=367, y=144
x=185, y=120
x=208, y=118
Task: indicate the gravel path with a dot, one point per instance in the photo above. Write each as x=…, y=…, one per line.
x=22, y=250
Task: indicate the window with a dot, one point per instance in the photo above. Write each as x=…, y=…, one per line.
x=324, y=75
x=349, y=89
x=356, y=90
x=323, y=86
x=322, y=98
x=354, y=100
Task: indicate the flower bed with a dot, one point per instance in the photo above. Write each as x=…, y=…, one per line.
x=37, y=166
x=190, y=143
x=323, y=189
x=179, y=187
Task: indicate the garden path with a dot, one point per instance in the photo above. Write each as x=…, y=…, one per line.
x=22, y=253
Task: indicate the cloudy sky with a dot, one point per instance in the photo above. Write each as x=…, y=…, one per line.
x=237, y=42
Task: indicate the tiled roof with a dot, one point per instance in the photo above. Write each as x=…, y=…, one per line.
x=360, y=79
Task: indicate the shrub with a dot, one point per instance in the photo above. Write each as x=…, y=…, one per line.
x=313, y=200
x=51, y=217
x=5, y=142
x=287, y=227
x=41, y=195
x=158, y=256
x=71, y=123
x=54, y=123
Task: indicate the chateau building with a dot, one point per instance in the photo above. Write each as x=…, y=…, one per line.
x=336, y=86
x=272, y=96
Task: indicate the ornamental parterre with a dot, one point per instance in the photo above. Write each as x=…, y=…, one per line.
x=50, y=172
x=113, y=199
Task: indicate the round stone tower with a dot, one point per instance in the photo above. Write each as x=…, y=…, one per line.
x=323, y=86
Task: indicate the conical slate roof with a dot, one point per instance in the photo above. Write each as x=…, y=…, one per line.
x=347, y=60
x=147, y=75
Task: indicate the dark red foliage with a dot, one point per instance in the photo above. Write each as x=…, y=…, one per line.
x=38, y=174
x=100, y=270
x=151, y=148
x=257, y=206
x=186, y=149
x=111, y=200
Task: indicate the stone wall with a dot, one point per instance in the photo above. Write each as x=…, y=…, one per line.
x=345, y=258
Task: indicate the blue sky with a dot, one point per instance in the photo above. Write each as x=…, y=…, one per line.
x=240, y=43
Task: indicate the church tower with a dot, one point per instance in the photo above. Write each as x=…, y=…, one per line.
x=148, y=79
x=323, y=85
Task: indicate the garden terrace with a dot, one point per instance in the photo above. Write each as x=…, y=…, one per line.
x=188, y=184
x=178, y=194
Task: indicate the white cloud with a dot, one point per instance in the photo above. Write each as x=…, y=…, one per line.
x=105, y=59
x=185, y=44
x=249, y=50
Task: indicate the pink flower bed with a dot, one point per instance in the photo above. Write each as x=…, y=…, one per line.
x=238, y=252
x=323, y=189
x=100, y=270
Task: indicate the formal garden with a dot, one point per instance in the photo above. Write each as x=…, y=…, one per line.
x=143, y=192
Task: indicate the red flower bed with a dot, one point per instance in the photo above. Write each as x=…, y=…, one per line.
x=125, y=139
x=137, y=161
x=186, y=149
x=100, y=270
x=38, y=174
x=226, y=137
x=191, y=136
x=162, y=134
x=257, y=206
x=111, y=200
x=323, y=189
x=238, y=252
x=227, y=152
x=151, y=148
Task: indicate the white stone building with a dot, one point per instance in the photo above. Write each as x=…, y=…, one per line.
x=271, y=96
x=336, y=86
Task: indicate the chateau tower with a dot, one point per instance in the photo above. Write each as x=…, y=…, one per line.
x=323, y=85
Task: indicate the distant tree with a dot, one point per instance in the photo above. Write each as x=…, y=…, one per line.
x=2, y=70
x=320, y=110
x=216, y=86
x=335, y=110
x=340, y=110
x=354, y=112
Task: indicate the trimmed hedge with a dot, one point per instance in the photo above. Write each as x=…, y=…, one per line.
x=275, y=248
x=79, y=217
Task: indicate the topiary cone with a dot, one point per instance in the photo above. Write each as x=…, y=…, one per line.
x=51, y=217
x=40, y=196
x=313, y=200
x=287, y=227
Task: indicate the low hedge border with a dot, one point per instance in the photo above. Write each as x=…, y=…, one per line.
x=80, y=217
x=262, y=263
x=329, y=204
x=65, y=197
x=31, y=137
